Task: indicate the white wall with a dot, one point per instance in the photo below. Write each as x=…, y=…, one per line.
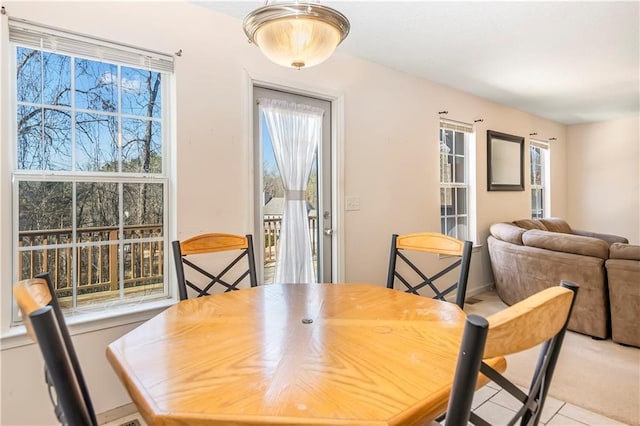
x=604, y=178
x=390, y=156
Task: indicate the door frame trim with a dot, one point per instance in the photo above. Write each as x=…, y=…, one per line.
x=337, y=158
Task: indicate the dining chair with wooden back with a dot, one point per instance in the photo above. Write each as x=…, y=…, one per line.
x=415, y=279
x=187, y=252
x=45, y=324
x=540, y=319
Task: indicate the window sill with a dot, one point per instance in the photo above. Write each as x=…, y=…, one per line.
x=17, y=336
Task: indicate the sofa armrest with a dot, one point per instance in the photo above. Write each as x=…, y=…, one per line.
x=567, y=243
x=624, y=251
x=507, y=232
x=609, y=238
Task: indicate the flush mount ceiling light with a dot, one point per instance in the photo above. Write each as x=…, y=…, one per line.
x=296, y=34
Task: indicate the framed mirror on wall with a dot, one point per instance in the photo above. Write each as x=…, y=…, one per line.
x=505, y=162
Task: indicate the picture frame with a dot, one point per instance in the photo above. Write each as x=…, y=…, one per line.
x=505, y=162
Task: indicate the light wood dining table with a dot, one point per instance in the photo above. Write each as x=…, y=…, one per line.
x=294, y=354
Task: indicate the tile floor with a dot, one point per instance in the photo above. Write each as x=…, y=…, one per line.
x=497, y=407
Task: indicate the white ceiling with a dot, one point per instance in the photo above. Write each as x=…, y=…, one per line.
x=568, y=61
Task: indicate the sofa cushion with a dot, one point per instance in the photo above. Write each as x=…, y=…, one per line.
x=624, y=251
x=507, y=232
x=556, y=224
x=530, y=224
x=567, y=243
x=610, y=238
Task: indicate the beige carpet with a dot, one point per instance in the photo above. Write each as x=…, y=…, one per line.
x=598, y=375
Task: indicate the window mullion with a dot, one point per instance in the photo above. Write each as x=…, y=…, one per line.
x=120, y=251
x=75, y=253
x=42, y=117
x=74, y=250
x=119, y=137
x=72, y=67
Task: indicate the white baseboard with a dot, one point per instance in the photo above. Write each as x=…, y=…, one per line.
x=477, y=290
x=116, y=413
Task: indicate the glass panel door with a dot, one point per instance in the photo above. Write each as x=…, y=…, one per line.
x=269, y=192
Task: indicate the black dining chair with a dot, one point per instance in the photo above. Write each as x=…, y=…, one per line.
x=45, y=324
x=194, y=249
x=410, y=247
x=539, y=319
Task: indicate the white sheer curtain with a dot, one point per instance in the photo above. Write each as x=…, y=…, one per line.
x=295, y=132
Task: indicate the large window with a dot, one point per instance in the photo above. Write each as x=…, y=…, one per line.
x=539, y=153
x=456, y=189
x=90, y=167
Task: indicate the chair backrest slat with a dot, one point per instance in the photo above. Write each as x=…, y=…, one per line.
x=32, y=294
x=528, y=323
x=430, y=242
x=209, y=243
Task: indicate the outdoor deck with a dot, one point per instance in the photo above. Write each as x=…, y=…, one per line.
x=98, y=251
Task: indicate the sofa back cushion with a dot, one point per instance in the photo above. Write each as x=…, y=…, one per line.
x=530, y=224
x=555, y=224
x=507, y=232
x=575, y=244
x=624, y=251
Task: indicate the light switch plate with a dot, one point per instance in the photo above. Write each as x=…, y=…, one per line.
x=352, y=203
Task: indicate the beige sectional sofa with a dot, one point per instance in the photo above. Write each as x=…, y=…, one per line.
x=623, y=277
x=528, y=256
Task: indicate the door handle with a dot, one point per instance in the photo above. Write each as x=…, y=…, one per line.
x=328, y=232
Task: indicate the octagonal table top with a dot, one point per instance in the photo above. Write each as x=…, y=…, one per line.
x=294, y=354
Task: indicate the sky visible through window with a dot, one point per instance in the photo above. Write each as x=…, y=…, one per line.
x=268, y=158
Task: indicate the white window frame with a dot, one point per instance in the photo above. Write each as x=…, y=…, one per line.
x=542, y=148
x=469, y=183
x=21, y=33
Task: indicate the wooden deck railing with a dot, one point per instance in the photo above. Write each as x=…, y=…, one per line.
x=272, y=227
x=97, y=257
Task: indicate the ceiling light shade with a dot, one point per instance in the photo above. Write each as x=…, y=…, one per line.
x=296, y=34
